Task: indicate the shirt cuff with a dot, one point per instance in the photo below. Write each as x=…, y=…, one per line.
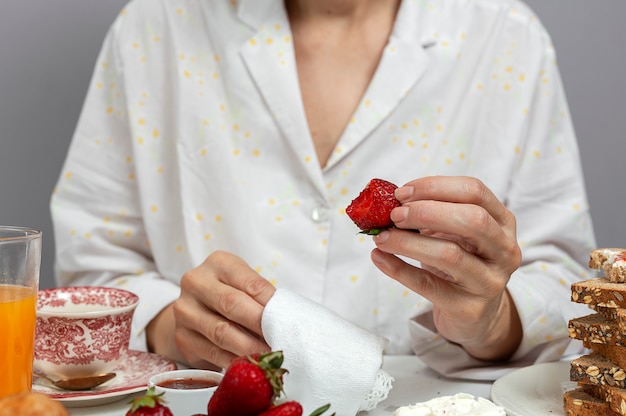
x=451, y=360
x=155, y=293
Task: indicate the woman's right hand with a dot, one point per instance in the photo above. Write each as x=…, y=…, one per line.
x=217, y=316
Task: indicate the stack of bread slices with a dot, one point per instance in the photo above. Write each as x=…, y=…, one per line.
x=601, y=373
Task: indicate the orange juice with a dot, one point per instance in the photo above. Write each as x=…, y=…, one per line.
x=18, y=308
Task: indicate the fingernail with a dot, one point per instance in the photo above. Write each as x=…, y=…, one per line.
x=404, y=193
x=377, y=256
x=399, y=214
x=382, y=237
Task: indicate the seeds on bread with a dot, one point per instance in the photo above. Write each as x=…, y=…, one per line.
x=596, y=328
x=597, y=369
x=599, y=292
x=580, y=403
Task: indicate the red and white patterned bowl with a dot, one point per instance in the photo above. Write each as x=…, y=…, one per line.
x=82, y=330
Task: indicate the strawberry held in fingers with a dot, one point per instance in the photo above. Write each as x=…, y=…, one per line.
x=371, y=209
x=150, y=404
x=250, y=385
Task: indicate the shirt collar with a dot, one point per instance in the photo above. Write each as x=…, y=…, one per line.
x=256, y=12
x=412, y=21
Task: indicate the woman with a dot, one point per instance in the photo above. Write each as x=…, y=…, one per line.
x=221, y=141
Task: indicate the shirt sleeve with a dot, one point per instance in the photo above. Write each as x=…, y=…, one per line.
x=548, y=197
x=100, y=237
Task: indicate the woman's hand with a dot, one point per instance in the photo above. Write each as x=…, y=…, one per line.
x=468, y=250
x=217, y=316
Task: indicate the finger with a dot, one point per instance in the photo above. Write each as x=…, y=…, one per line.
x=233, y=271
x=200, y=352
x=466, y=270
x=470, y=223
x=455, y=189
x=234, y=291
x=221, y=314
x=439, y=291
x=222, y=337
x=457, y=315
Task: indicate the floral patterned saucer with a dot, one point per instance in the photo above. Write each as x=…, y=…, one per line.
x=132, y=375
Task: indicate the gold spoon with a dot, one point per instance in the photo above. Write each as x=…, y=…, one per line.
x=79, y=383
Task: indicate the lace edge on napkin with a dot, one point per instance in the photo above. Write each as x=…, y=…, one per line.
x=382, y=385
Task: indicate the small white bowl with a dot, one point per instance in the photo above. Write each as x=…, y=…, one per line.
x=186, y=401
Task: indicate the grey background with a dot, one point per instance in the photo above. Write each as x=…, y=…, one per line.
x=48, y=50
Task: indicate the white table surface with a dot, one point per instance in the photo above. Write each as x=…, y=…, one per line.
x=414, y=382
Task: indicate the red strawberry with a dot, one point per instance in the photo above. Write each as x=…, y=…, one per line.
x=371, y=210
x=150, y=404
x=292, y=408
x=249, y=386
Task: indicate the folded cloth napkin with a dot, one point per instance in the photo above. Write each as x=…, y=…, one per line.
x=329, y=359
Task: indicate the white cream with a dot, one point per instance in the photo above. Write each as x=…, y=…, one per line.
x=608, y=254
x=614, y=259
x=461, y=404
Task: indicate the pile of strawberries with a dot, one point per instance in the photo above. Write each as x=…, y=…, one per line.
x=250, y=387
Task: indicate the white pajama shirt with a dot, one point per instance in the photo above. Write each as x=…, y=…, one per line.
x=193, y=138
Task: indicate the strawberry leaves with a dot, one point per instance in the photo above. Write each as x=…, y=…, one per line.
x=150, y=404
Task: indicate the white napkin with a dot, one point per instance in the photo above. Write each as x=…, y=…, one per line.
x=329, y=359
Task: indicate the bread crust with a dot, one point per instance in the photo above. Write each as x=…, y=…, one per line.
x=615, y=353
x=578, y=402
x=614, y=396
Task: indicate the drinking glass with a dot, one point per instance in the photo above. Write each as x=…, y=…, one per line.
x=20, y=260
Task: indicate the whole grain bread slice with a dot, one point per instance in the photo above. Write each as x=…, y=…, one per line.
x=615, y=353
x=614, y=396
x=578, y=402
x=600, y=291
x=597, y=369
x=596, y=328
x=614, y=314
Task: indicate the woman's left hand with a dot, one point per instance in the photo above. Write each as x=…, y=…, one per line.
x=467, y=249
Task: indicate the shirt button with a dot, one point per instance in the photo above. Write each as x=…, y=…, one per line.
x=319, y=214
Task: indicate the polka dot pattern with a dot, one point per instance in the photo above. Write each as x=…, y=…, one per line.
x=193, y=139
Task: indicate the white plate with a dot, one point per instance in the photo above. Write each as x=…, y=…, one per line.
x=132, y=375
x=534, y=390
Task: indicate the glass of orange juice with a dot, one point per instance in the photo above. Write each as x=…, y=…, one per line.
x=20, y=259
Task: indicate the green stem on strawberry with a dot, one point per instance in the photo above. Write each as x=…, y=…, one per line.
x=150, y=403
x=271, y=363
x=376, y=231
x=320, y=410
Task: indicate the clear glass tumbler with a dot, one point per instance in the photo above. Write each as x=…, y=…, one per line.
x=20, y=260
